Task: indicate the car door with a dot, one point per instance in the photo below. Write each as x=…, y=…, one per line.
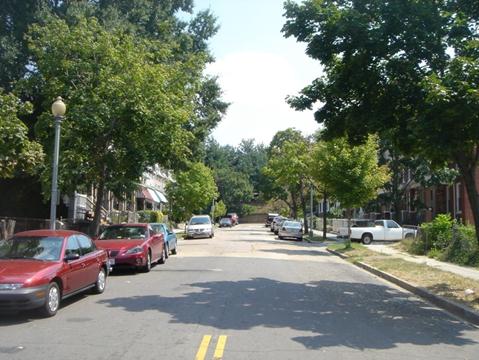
x=394, y=231
x=170, y=237
x=75, y=269
x=89, y=258
x=380, y=231
x=155, y=243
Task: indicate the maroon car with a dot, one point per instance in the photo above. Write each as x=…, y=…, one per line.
x=132, y=245
x=40, y=268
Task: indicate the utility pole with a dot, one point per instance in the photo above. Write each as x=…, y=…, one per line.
x=311, y=215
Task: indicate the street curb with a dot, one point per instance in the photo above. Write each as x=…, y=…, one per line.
x=451, y=306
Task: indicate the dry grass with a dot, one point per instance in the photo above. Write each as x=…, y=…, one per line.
x=439, y=282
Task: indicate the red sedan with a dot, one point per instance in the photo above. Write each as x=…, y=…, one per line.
x=133, y=245
x=40, y=268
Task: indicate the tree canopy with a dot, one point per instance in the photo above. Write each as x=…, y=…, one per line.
x=192, y=191
x=407, y=70
x=17, y=152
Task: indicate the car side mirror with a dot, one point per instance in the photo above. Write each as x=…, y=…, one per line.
x=71, y=257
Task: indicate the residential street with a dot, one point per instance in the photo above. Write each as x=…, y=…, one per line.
x=256, y=296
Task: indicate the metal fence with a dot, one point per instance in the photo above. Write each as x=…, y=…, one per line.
x=12, y=225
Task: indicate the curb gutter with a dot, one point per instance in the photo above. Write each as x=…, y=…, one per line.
x=451, y=306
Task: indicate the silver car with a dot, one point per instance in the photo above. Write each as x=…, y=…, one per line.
x=291, y=229
x=275, y=223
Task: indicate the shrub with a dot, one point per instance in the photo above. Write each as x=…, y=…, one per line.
x=416, y=246
x=463, y=248
x=438, y=233
x=147, y=216
x=434, y=253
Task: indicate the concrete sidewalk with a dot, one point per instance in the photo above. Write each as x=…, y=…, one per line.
x=329, y=236
x=464, y=271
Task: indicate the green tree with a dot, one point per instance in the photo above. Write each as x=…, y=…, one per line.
x=404, y=69
x=220, y=210
x=192, y=191
x=288, y=167
x=17, y=152
x=128, y=107
x=234, y=188
x=350, y=173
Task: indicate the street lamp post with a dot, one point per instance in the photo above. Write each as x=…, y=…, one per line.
x=58, y=110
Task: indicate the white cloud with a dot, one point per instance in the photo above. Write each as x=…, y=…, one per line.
x=256, y=84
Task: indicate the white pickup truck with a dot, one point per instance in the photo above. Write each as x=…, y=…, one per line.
x=383, y=230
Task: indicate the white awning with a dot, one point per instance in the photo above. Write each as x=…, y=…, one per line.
x=161, y=196
x=154, y=195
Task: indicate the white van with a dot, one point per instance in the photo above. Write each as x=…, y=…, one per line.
x=200, y=226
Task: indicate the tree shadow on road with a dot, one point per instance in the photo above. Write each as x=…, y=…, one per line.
x=354, y=315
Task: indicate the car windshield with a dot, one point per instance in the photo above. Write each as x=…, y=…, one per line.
x=225, y=220
x=32, y=247
x=123, y=232
x=292, y=224
x=157, y=228
x=199, y=221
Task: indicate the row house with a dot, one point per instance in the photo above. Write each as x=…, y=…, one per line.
x=422, y=204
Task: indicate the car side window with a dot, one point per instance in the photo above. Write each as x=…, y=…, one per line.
x=151, y=231
x=86, y=245
x=392, y=224
x=72, y=246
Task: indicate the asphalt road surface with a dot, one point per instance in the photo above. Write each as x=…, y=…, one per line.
x=243, y=295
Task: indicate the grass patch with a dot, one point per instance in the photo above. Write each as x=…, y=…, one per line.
x=316, y=238
x=439, y=282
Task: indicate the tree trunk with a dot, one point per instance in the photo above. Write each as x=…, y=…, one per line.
x=95, y=225
x=468, y=174
x=294, y=207
x=325, y=215
x=305, y=214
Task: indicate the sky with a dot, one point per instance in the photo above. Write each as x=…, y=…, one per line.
x=257, y=68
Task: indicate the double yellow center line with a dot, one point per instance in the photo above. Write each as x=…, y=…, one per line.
x=219, y=350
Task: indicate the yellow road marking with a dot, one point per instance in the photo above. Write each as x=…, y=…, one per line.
x=200, y=355
x=220, y=347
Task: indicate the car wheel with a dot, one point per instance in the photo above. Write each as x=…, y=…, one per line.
x=281, y=237
x=52, y=300
x=167, y=252
x=147, y=266
x=162, y=259
x=100, y=282
x=409, y=236
x=300, y=239
x=367, y=239
x=175, y=249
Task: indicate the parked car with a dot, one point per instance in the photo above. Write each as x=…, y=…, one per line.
x=226, y=222
x=132, y=245
x=269, y=219
x=384, y=230
x=40, y=268
x=291, y=229
x=234, y=218
x=169, y=236
x=278, y=224
x=200, y=226
x=276, y=219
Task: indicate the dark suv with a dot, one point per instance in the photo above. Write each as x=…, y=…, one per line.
x=269, y=219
